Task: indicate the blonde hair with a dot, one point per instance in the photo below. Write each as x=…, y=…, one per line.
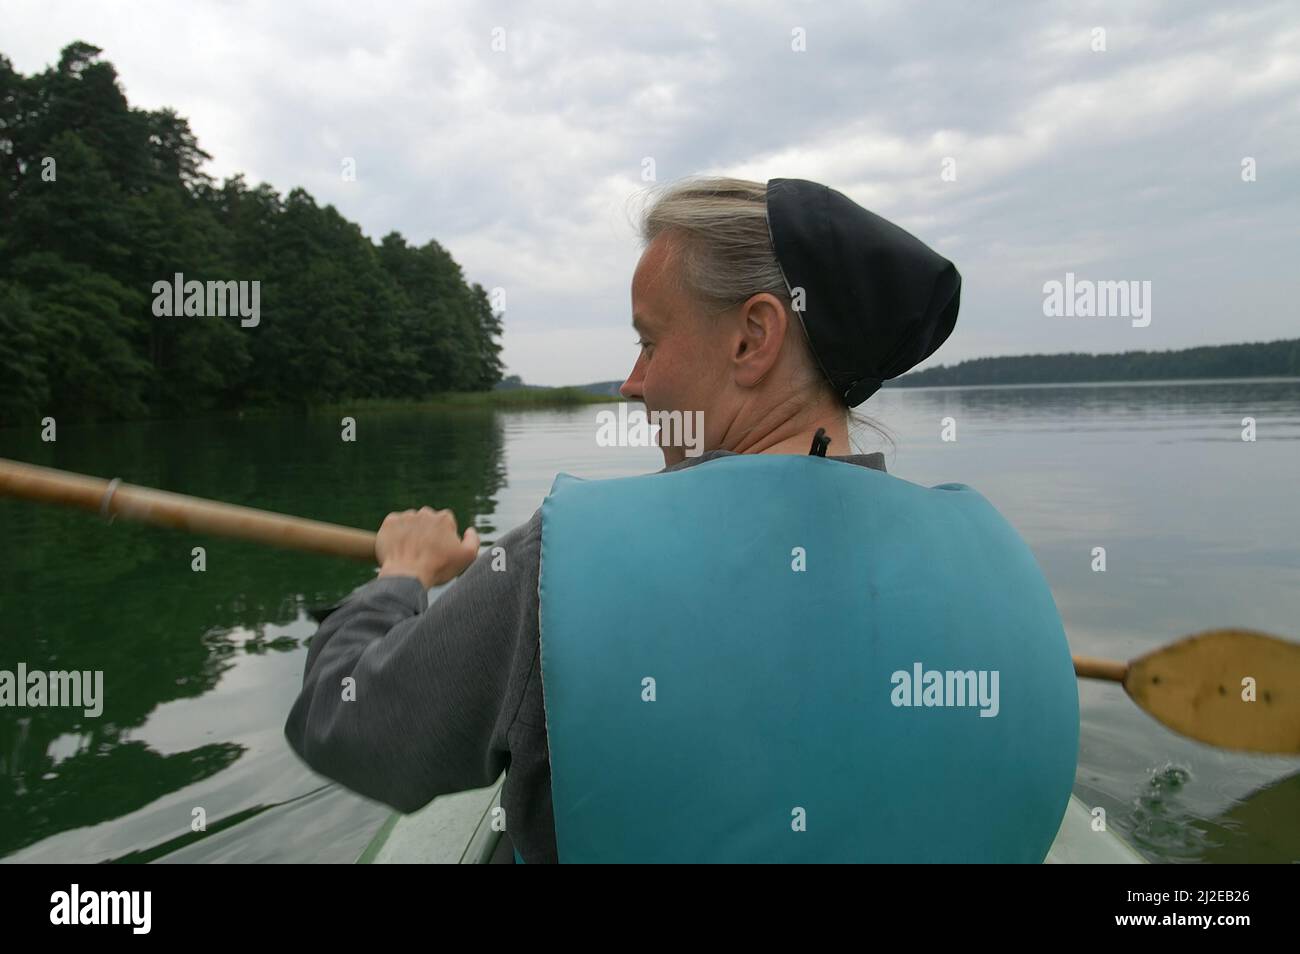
x=723, y=251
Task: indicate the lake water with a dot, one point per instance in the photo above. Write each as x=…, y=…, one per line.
x=1201, y=530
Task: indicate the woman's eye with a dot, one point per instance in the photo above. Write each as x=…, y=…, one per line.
x=642, y=344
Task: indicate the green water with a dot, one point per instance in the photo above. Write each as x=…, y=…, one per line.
x=200, y=669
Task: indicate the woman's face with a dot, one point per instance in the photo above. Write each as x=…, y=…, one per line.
x=681, y=363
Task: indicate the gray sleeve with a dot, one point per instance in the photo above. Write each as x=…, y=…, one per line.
x=437, y=685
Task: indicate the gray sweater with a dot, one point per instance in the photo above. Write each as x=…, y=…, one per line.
x=448, y=695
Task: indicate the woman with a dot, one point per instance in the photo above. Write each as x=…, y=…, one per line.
x=773, y=309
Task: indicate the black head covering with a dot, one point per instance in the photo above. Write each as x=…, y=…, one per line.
x=877, y=300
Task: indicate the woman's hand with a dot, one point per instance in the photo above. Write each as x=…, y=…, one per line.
x=423, y=543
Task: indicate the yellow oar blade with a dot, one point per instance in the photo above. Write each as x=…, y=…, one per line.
x=1233, y=688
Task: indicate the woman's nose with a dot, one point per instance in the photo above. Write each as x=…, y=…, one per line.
x=631, y=388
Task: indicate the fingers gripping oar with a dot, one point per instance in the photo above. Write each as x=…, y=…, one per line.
x=1228, y=687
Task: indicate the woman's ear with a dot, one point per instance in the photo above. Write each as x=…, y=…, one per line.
x=760, y=331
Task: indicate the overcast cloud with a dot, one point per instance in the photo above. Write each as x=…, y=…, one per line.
x=526, y=164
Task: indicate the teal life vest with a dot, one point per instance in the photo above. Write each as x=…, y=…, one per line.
x=779, y=658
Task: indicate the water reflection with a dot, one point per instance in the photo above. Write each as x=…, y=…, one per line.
x=124, y=599
x=1199, y=529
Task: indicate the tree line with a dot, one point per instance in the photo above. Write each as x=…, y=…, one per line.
x=99, y=201
x=1263, y=359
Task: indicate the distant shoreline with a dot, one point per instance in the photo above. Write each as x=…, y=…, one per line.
x=1156, y=382
x=1276, y=360
x=1266, y=359
x=546, y=396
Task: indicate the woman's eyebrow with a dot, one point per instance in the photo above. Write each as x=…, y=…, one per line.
x=638, y=322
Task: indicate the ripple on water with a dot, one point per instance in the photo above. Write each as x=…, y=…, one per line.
x=1162, y=823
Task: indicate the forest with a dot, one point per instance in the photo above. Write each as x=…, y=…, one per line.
x=100, y=201
x=1279, y=359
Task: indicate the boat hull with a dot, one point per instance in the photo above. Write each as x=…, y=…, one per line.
x=458, y=829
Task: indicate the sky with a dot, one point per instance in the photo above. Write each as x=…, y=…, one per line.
x=1134, y=142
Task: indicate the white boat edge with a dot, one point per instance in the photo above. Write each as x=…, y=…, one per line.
x=458, y=829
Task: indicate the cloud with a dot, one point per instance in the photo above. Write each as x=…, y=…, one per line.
x=521, y=161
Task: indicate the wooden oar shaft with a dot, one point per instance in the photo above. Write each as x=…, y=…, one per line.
x=181, y=512
x=1172, y=683
x=1089, y=667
